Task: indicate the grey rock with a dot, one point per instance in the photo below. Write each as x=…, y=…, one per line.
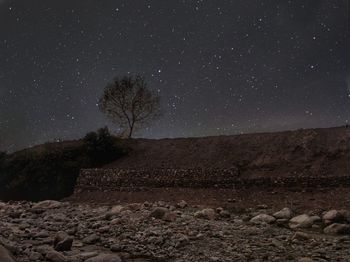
x=301, y=221
x=285, y=213
x=263, y=218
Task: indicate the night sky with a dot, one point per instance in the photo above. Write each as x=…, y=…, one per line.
x=220, y=67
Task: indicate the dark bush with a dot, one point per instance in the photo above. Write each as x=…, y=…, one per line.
x=101, y=146
x=50, y=171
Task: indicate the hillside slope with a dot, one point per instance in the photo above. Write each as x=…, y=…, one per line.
x=324, y=152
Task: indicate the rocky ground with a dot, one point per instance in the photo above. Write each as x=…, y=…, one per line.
x=160, y=231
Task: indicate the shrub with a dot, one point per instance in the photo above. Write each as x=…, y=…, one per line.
x=50, y=171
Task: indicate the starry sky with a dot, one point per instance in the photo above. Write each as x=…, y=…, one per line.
x=220, y=67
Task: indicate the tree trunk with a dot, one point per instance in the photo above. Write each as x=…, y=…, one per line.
x=131, y=128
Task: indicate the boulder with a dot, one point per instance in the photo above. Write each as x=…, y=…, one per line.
x=285, y=213
x=105, y=258
x=337, y=229
x=207, y=213
x=301, y=221
x=263, y=218
x=5, y=255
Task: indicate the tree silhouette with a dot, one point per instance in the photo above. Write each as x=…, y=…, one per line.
x=129, y=103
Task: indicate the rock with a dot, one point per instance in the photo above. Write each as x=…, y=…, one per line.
x=224, y=214
x=2, y=205
x=305, y=259
x=55, y=256
x=315, y=219
x=331, y=215
x=134, y=207
x=282, y=221
x=47, y=204
x=346, y=215
x=301, y=236
x=285, y=213
x=135, y=236
x=116, y=248
x=35, y=256
x=181, y=240
x=207, y=213
x=181, y=204
x=86, y=255
x=301, y=221
x=334, y=216
x=158, y=212
x=62, y=242
x=337, y=229
x=15, y=214
x=105, y=258
x=72, y=231
x=115, y=210
x=59, y=217
x=42, y=234
x=92, y=239
x=170, y=217
x=263, y=218
x=5, y=255
x=262, y=206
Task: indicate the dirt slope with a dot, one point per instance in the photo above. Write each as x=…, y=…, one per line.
x=301, y=152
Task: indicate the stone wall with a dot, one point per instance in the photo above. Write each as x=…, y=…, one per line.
x=115, y=179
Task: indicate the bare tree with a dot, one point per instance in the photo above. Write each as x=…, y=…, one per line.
x=129, y=103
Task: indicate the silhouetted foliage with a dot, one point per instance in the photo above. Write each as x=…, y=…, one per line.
x=129, y=103
x=50, y=171
x=100, y=146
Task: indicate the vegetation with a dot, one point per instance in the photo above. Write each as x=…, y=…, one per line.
x=50, y=171
x=129, y=103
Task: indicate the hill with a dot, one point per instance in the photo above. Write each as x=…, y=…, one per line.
x=316, y=152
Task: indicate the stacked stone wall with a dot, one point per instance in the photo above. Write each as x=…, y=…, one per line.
x=114, y=179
